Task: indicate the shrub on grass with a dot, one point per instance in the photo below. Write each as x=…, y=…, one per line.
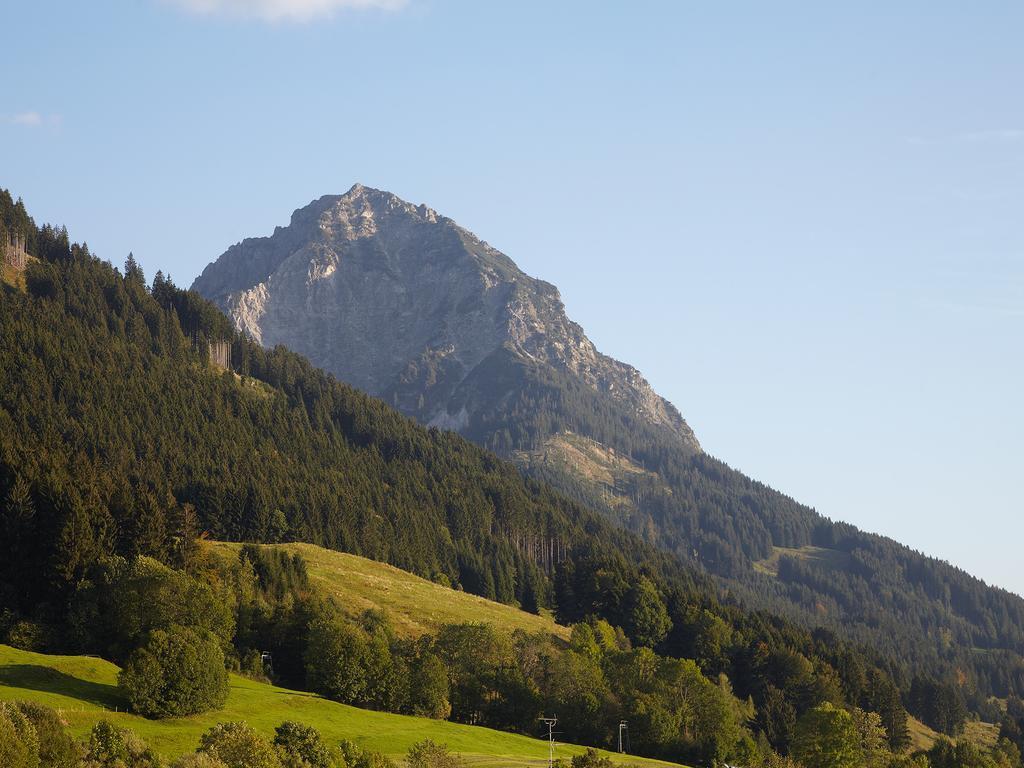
x=57, y=748
x=239, y=746
x=112, y=747
x=176, y=672
x=19, y=745
x=591, y=759
x=301, y=746
x=354, y=756
x=198, y=760
x=430, y=754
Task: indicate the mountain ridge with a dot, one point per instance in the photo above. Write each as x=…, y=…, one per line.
x=343, y=256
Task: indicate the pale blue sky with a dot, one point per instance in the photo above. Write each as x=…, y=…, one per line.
x=804, y=224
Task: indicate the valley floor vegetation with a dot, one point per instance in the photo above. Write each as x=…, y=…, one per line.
x=33, y=736
x=176, y=632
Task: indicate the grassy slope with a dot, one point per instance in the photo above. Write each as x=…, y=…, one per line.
x=828, y=558
x=84, y=690
x=923, y=737
x=416, y=606
x=610, y=474
x=14, y=277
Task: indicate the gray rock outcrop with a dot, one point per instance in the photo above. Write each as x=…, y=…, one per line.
x=405, y=304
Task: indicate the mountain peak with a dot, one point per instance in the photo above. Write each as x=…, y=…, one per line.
x=360, y=192
x=407, y=305
x=354, y=213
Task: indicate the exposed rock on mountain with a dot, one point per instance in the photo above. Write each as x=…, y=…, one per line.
x=406, y=304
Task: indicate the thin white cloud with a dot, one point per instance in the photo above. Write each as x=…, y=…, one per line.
x=26, y=118
x=281, y=10
x=31, y=119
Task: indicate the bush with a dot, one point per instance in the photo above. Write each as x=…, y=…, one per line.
x=198, y=760
x=57, y=749
x=354, y=756
x=301, y=746
x=239, y=746
x=113, y=747
x=177, y=672
x=591, y=759
x=19, y=745
x=429, y=754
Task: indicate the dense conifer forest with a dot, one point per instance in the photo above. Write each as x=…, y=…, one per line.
x=870, y=589
x=121, y=441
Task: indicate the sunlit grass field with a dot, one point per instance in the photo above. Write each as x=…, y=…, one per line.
x=84, y=690
x=416, y=606
x=923, y=737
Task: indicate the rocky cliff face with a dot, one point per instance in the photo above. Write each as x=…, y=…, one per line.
x=407, y=305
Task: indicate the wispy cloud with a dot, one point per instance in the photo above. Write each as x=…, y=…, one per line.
x=281, y=10
x=31, y=119
x=27, y=118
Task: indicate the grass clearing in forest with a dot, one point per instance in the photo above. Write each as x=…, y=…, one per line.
x=416, y=606
x=983, y=734
x=829, y=559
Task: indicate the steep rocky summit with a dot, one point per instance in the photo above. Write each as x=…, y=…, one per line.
x=404, y=303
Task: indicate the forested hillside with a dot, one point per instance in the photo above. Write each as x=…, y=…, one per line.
x=406, y=304
x=120, y=439
x=866, y=588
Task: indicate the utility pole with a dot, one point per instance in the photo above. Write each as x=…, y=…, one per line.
x=622, y=727
x=550, y=722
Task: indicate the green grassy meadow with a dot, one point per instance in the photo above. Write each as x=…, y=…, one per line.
x=83, y=689
x=12, y=277
x=829, y=559
x=983, y=734
x=415, y=606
